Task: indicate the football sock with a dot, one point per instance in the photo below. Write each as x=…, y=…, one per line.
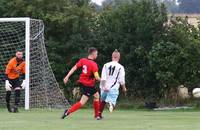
x=102, y=105
x=96, y=108
x=8, y=93
x=74, y=107
x=17, y=97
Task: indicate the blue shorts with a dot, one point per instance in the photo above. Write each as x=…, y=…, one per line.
x=110, y=96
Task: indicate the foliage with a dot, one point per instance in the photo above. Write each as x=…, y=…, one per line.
x=133, y=28
x=155, y=54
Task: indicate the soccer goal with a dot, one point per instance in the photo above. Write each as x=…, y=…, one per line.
x=42, y=90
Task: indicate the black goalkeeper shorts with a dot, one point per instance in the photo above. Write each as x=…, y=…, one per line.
x=88, y=91
x=15, y=83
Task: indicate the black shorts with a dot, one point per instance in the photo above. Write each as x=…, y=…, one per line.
x=88, y=91
x=15, y=83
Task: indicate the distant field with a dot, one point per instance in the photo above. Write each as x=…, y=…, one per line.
x=193, y=19
x=83, y=120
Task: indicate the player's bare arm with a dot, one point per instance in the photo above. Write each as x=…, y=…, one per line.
x=124, y=88
x=73, y=69
x=14, y=69
x=103, y=83
x=87, y=83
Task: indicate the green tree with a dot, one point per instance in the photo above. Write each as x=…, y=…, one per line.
x=175, y=60
x=133, y=28
x=67, y=32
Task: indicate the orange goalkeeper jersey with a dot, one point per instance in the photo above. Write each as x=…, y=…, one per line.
x=14, y=69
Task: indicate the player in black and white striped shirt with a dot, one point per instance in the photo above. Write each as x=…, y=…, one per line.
x=112, y=78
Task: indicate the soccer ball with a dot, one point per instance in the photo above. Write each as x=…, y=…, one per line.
x=196, y=92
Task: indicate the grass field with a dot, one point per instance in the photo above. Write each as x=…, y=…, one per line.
x=83, y=120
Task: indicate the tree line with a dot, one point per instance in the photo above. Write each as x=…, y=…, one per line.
x=159, y=53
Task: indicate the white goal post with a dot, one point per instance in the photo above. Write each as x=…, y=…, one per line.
x=42, y=89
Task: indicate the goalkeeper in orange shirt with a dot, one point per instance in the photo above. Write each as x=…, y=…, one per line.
x=14, y=68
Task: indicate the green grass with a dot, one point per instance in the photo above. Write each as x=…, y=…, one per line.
x=83, y=120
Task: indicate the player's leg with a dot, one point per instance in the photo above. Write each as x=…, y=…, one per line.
x=17, y=99
x=102, y=102
x=112, y=99
x=8, y=94
x=96, y=104
x=17, y=88
x=76, y=106
x=79, y=104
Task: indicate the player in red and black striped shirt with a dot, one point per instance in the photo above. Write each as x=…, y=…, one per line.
x=87, y=82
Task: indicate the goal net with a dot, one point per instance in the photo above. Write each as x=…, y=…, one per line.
x=42, y=90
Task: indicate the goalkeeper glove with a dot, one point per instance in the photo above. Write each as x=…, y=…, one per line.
x=23, y=84
x=8, y=86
